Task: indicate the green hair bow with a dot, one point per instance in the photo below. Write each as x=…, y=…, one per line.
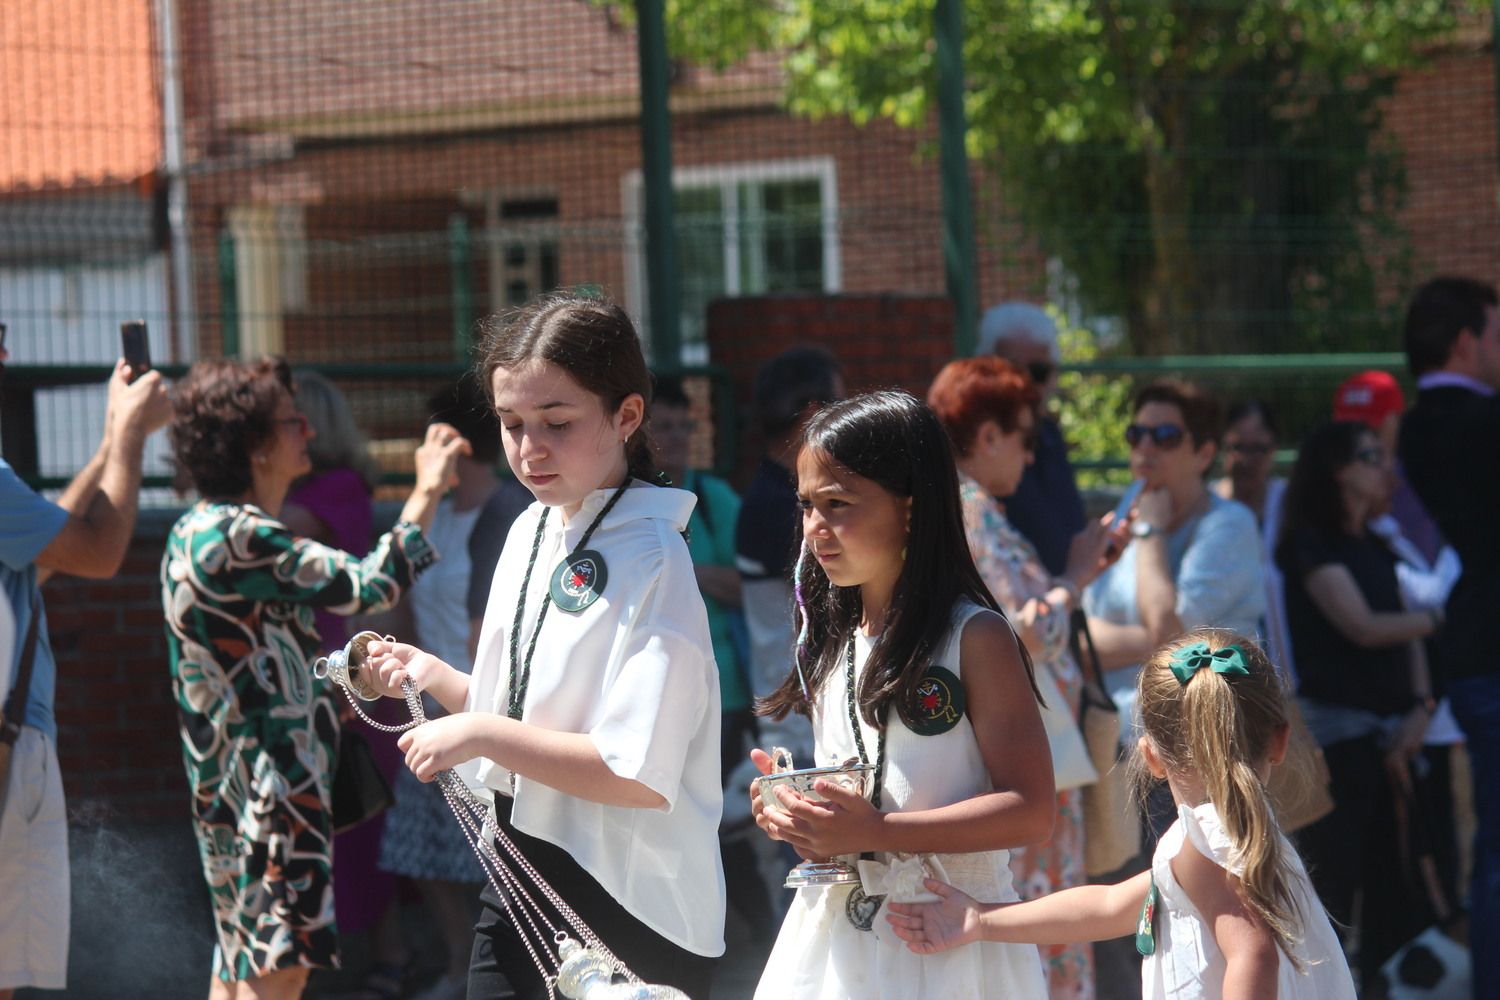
x=1188, y=660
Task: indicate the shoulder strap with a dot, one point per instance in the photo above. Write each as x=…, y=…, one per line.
x=14, y=713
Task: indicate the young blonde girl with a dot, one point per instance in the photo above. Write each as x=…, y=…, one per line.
x=1226, y=909
x=905, y=663
x=593, y=708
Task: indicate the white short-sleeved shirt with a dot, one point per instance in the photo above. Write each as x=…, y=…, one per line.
x=635, y=671
x=1188, y=961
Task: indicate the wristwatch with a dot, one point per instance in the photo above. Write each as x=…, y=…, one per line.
x=1142, y=529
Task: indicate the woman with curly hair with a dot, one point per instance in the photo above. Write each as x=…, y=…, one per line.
x=259, y=732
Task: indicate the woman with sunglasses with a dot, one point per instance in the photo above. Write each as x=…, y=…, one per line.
x=259, y=732
x=1194, y=557
x=1363, y=679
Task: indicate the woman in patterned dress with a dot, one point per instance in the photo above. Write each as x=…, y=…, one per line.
x=259, y=732
x=989, y=409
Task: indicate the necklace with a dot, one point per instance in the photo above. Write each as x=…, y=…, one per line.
x=520, y=670
x=859, y=908
x=859, y=739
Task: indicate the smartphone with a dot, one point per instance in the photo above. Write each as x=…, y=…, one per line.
x=135, y=347
x=1122, y=509
x=1127, y=500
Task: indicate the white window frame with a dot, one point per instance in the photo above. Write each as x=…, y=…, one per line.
x=727, y=177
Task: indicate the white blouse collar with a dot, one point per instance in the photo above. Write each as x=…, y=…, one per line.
x=641, y=500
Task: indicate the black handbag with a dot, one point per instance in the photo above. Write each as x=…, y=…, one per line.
x=360, y=791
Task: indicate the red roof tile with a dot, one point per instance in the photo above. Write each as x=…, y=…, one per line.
x=78, y=98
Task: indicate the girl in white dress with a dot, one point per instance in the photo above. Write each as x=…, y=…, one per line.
x=1227, y=909
x=904, y=662
x=592, y=715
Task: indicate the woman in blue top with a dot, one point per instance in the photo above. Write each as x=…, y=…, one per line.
x=1194, y=559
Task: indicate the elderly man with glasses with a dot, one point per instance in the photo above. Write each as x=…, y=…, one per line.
x=1047, y=508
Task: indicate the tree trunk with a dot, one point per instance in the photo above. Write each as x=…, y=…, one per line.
x=1172, y=323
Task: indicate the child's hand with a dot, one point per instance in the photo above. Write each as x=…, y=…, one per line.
x=928, y=928
x=395, y=662
x=758, y=805
x=439, y=744
x=846, y=823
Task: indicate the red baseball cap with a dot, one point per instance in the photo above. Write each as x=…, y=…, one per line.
x=1368, y=398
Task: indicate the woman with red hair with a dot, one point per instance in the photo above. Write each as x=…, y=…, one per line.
x=989, y=408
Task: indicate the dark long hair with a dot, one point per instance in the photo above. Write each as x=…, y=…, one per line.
x=592, y=340
x=892, y=439
x=1314, y=502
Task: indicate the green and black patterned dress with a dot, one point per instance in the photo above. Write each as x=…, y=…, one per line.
x=259, y=732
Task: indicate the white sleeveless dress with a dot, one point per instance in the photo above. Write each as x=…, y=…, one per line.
x=820, y=954
x=1187, y=961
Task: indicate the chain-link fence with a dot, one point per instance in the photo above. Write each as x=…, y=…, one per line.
x=354, y=183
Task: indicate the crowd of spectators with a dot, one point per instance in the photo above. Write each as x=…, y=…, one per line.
x=1369, y=575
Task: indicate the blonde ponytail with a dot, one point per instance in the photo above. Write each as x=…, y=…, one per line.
x=1220, y=726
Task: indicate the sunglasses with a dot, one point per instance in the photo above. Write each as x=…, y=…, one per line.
x=1371, y=456
x=1040, y=371
x=1164, y=436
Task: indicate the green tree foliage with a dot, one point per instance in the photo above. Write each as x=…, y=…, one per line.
x=1093, y=410
x=1212, y=171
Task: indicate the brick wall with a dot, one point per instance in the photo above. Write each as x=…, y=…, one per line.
x=889, y=203
x=1443, y=117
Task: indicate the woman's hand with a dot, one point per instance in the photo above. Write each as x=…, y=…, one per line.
x=1028, y=623
x=1095, y=549
x=391, y=663
x=928, y=928
x=437, y=458
x=440, y=744
x=1405, y=744
x=1154, y=507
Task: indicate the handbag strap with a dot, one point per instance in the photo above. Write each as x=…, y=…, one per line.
x=1415, y=842
x=1078, y=638
x=14, y=713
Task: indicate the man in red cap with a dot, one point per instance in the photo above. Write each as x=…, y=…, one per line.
x=1372, y=398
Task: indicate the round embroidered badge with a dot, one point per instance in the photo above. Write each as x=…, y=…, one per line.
x=578, y=581
x=861, y=909
x=938, y=704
